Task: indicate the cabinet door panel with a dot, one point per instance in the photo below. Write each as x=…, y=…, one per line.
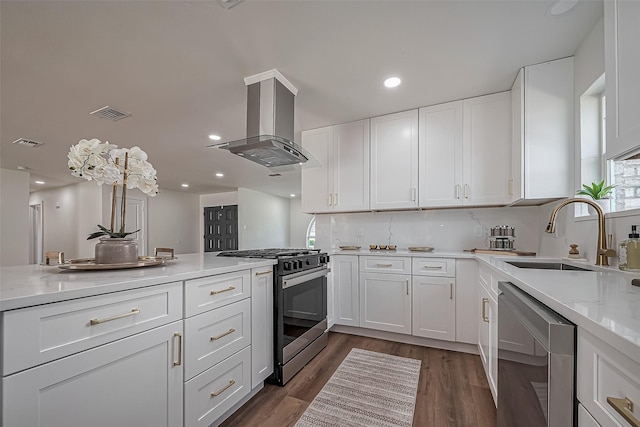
x=385, y=302
x=261, y=325
x=487, y=149
x=130, y=382
x=394, y=161
x=345, y=284
x=434, y=307
x=441, y=155
x=351, y=166
x=317, y=182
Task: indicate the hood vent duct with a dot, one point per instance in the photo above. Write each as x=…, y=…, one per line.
x=270, y=123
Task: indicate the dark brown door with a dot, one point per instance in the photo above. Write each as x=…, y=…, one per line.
x=220, y=228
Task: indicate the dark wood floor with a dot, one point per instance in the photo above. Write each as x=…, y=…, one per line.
x=453, y=389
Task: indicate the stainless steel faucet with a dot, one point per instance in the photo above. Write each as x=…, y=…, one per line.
x=602, y=253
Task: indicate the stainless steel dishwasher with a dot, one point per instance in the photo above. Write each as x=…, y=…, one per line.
x=536, y=363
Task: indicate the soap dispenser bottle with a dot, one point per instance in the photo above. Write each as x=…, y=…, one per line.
x=629, y=251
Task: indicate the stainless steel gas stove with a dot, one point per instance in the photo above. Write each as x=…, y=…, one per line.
x=300, y=306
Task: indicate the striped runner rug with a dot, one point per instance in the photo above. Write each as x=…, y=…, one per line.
x=368, y=389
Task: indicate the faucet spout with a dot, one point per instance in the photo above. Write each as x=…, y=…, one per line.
x=602, y=252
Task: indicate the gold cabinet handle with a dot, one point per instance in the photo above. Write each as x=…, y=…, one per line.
x=457, y=191
x=260, y=273
x=230, y=288
x=335, y=199
x=466, y=191
x=407, y=285
x=222, y=390
x=119, y=316
x=413, y=194
x=330, y=199
x=484, y=305
x=384, y=265
x=179, y=361
x=432, y=267
x=624, y=407
x=450, y=290
x=230, y=331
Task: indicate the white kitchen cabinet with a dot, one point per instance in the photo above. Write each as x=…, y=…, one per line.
x=585, y=419
x=604, y=375
x=465, y=152
x=488, y=332
x=385, y=302
x=486, y=156
x=543, y=122
x=261, y=325
x=622, y=67
x=344, y=269
x=394, y=161
x=134, y=381
x=440, y=168
x=434, y=307
x=341, y=183
x=466, y=273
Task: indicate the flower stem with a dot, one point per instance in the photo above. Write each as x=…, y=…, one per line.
x=113, y=202
x=123, y=203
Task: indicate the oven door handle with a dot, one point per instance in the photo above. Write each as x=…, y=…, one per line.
x=287, y=283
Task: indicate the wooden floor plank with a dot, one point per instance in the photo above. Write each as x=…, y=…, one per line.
x=452, y=390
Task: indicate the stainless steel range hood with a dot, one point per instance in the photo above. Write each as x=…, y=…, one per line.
x=270, y=114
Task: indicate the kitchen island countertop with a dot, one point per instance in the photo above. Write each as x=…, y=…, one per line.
x=28, y=285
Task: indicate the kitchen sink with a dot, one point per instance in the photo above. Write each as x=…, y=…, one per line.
x=546, y=265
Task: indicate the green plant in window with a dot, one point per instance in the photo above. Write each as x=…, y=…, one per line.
x=596, y=191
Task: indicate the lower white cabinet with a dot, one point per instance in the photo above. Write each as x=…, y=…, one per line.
x=434, y=307
x=385, y=302
x=346, y=302
x=488, y=335
x=261, y=324
x=585, y=419
x=134, y=381
x=210, y=394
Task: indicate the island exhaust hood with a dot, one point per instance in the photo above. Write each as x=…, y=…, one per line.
x=269, y=141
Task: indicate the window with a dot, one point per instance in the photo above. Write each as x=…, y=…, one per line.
x=625, y=175
x=311, y=234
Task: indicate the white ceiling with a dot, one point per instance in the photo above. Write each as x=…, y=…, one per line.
x=178, y=67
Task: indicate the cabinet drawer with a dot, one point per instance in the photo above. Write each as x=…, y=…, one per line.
x=397, y=265
x=35, y=335
x=603, y=372
x=213, y=392
x=215, y=335
x=444, y=267
x=212, y=292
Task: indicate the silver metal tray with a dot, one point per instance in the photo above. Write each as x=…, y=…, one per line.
x=85, y=264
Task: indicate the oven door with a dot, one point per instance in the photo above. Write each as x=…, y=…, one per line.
x=301, y=311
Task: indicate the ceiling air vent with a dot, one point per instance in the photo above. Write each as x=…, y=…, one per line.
x=110, y=113
x=28, y=142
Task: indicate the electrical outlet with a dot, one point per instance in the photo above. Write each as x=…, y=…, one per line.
x=478, y=231
x=359, y=232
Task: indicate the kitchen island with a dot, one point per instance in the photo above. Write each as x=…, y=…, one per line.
x=168, y=345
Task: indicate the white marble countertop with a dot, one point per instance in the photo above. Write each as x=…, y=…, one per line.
x=601, y=302
x=404, y=252
x=23, y=286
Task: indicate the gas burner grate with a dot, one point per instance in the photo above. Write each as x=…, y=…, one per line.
x=273, y=253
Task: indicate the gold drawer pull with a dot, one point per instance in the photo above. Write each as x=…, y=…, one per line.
x=179, y=361
x=119, y=316
x=484, y=305
x=260, y=273
x=432, y=267
x=222, y=390
x=384, y=265
x=624, y=407
x=230, y=331
x=230, y=288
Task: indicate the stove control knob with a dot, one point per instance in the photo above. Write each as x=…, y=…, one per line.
x=287, y=265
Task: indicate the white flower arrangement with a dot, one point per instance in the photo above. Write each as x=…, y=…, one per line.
x=105, y=163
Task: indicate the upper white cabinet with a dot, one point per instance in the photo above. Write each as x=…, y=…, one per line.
x=543, y=121
x=394, y=161
x=622, y=66
x=341, y=183
x=486, y=155
x=465, y=152
x=441, y=155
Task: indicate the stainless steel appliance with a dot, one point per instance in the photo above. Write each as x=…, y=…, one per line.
x=300, y=306
x=536, y=363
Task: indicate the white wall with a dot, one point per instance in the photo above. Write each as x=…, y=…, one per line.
x=210, y=200
x=263, y=220
x=14, y=217
x=172, y=221
x=89, y=196
x=442, y=229
x=298, y=224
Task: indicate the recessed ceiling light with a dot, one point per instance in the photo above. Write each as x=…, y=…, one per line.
x=214, y=137
x=292, y=195
x=185, y=185
x=558, y=7
x=392, y=82
x=219, y=174
x=40, y=182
